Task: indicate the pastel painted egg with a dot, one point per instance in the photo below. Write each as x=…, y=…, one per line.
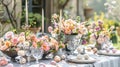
x=114, y=50
x=63, y=57
x=53, y=63
x=42, y=65
x=107, y=51
x=57, y=59
x=86, y=56
x=95, y=50
x=22, y=61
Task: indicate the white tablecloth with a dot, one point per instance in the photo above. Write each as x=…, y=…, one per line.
x=103, y=61
x=108, y=62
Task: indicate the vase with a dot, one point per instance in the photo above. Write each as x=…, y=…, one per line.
x=69, y=38
x=69, y=42
x=11, y=53
x=35, y=30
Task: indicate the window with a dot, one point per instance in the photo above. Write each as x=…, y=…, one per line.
x=34, y=6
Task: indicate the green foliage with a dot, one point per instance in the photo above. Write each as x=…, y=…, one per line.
x=78, y=19
x=34, y=19
x=62, y=2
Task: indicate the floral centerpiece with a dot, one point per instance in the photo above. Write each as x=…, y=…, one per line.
x=68, y=26
x=66, y=30
x=11, y=43
x=99, y=34
x=48, y=44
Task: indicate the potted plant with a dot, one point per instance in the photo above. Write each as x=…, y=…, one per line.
x=34, y=20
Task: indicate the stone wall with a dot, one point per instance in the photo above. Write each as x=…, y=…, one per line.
x=4, y=25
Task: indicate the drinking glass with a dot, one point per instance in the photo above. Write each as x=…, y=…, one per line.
x=37, y=53
x=28, y=54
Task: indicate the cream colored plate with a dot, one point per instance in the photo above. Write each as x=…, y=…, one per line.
x=109, y=54
x=75, y=60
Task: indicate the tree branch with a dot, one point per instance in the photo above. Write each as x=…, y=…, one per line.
x=62, y=6
x=8, y=12
x=6, y=7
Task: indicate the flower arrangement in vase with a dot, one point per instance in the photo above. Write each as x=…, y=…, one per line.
x=11, y=44
x=99, y=34
x=67, y=30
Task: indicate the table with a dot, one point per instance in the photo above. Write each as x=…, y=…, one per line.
x=107, y=61
x=103, y=61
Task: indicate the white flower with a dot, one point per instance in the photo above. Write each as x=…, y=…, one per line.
x=106, y=4
x=26, y=43
x=113, y=2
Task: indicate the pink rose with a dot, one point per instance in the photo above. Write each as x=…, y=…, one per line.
x=100, y=40
x=50, y=29
x=22, y=34
x=15, y=41
x=9, y=35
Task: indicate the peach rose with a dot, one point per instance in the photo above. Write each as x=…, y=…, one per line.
x=67, y=31
x=45, y=46
x=34, y=38
x=8, y=43
x=21, y=39
x=54, y=44
x=34, y=44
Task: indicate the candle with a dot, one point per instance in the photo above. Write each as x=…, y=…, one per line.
x=26, y=7
x=42, y=20
x=60, y=18
x=60, y=15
